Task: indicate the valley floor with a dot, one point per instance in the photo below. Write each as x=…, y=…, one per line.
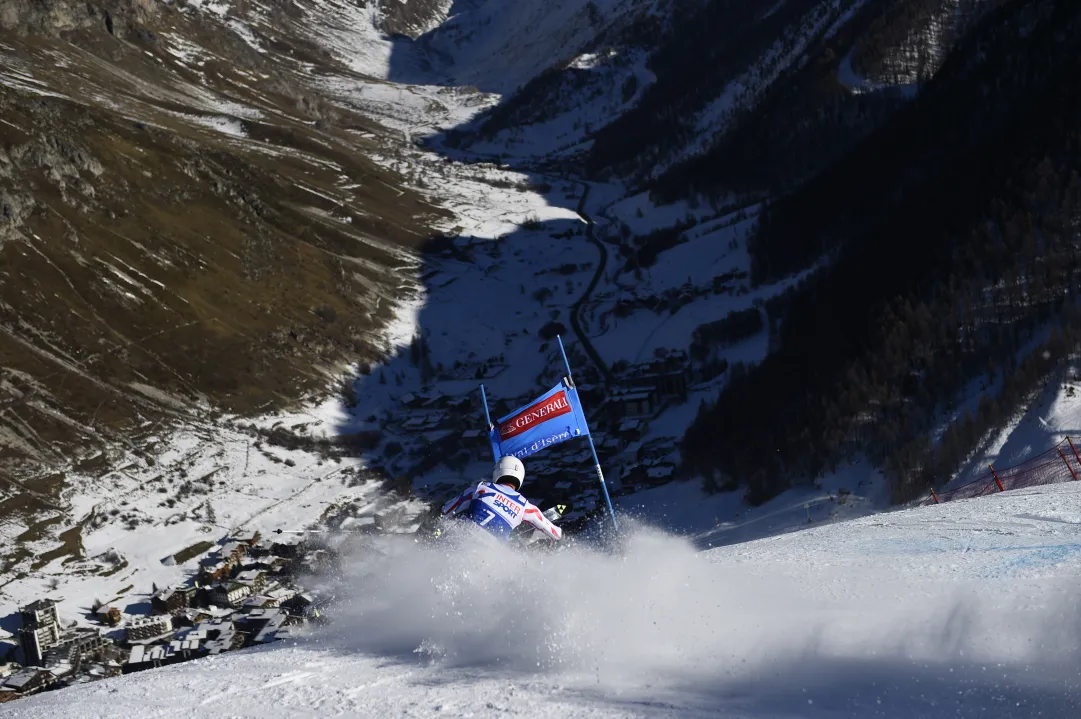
x=967, y=609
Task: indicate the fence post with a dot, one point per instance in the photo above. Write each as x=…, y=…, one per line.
x=1074, y=450
x=999, y=483
x=933, y=495
x=1063, y=455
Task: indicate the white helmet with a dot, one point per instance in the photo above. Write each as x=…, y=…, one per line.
x=507, y=470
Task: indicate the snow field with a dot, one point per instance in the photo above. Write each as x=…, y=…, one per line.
x=236, y=483
x=963, y=610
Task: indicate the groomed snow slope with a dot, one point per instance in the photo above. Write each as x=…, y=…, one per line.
x=968, y=609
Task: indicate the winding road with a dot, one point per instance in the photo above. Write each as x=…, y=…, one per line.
x=576, y=308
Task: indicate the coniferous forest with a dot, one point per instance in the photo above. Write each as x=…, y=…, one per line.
x=952, y=233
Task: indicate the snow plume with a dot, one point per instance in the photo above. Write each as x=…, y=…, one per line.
x=659, y=617
x=473, y=602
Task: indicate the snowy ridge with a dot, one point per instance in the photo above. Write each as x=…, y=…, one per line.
x=1053, y=415
x=499, y=46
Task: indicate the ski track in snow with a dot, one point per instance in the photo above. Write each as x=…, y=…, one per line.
x=967, y=609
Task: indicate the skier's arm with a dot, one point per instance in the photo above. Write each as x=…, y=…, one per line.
x=534, y=516
x=460, y=502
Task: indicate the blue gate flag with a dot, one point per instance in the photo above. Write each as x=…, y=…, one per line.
x=554, y=417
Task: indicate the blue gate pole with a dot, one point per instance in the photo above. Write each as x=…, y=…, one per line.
x=488, y=419
x=592, y=448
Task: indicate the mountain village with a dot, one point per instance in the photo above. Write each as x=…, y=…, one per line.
x=246, y=593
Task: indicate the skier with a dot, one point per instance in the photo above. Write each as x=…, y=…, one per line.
x=497, y=505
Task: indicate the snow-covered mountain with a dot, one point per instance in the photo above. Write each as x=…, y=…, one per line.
x=255, y=258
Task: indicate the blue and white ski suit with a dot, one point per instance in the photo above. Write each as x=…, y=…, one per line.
x=499, y=509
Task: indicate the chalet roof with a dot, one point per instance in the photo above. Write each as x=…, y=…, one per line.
x=136, y=655
x=192, y=614
x=629, y=424
x=198, y=633
x=222, y=644
x=437, y=436
x=233, y=587
x=164, y=593
x=20, y=679
x=38, y=605
x=261, y=600
x=148, y=621
x=273, y=623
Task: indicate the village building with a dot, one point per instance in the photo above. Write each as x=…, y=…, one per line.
x=179, y=650
x=444, y=441
x=249, y=537
x=227, y=640
x=108, y=615
x=40, y=630
x=633, y=403
x=254, y=578
x=414, y=400
x=660, y=474
x=298, y=604
x=632, y=430
x=288, y=547
x=278, y=565
x=105, y=670
x=609, y=445
x=28, y=681
x=475, y=443
x=262, y=625
x=260, y=601
x=172, y=599
x=191, y=616
x=319, y=559
x=63, y=673
x=230, y=594
x=670, y=375
x=656, y=449
x=144, y=657
x=141, y=629
x=214, y=568
x=202, y=632
x=233, y=552
x=73, y=646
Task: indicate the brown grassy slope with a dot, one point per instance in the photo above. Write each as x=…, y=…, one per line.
x=150, y=265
